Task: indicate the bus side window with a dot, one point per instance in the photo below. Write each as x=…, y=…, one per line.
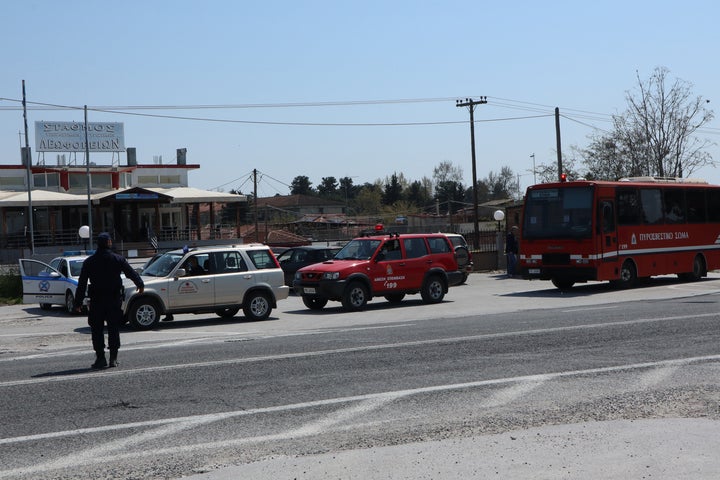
x=651, y=202
x=628, y=203
x=696, y=211
x=675, y=211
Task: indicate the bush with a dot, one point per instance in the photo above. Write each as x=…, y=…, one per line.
x=10, y=288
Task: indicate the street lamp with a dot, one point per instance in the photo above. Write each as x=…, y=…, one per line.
x=84, y=233
x=499, y=216
x=534, y=179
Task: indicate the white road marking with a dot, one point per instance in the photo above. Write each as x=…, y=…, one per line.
x=169, y=426
x=318, y=353
x=588, y=309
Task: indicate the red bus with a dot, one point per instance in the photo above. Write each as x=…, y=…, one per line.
x=619, y=231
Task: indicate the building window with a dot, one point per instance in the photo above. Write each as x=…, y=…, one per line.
x=147, y=180
x=77, y=180
x=169, y=179
x=102, y=181
x=12, y=181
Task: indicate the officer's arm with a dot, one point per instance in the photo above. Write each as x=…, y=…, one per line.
x=133, y=275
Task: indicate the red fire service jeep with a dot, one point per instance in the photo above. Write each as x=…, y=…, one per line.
x=391, y=266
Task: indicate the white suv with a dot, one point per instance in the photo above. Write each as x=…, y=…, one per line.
x=219, y=280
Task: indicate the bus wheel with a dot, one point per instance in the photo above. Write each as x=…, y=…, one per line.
x=563, y=283
x=628, y=275
x=698, y=270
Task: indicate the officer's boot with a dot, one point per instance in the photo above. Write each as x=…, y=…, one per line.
x=113, y=358
x=100, y=361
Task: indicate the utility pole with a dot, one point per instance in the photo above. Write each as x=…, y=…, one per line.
x=87, y=174
x=28, y=172
x=257, y=233
x=558, y=144
x=470, y=103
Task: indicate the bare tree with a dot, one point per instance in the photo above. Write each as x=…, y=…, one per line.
x=447, y=172
x=660, y=126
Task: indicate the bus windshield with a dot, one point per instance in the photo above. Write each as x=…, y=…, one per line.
x=558, y=213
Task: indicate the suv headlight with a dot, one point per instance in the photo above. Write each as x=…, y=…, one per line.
x=331, y=275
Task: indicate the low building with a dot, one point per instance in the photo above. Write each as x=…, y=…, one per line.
x=140, y=205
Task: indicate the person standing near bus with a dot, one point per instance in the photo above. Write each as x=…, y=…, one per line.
x=104, y=269
x=511, y=250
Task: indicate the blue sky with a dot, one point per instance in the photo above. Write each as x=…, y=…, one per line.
x=330, y=88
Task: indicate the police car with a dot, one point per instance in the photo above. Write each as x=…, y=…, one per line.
x=51, y=284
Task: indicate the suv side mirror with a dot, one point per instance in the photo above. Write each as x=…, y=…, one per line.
x=181, y=272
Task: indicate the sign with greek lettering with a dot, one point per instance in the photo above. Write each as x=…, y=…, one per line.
x=70, y=137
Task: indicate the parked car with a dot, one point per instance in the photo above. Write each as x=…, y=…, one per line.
x=295, y=258
x=51, y=284
x=383, y=265
x=462, y=252
x=219, y=280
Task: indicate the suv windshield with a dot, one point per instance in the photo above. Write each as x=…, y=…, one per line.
x=163, y=265
x=358, y=249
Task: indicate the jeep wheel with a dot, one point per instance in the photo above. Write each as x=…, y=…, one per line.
x=433, y=291
x=228, y=312
x=395, y=297
x=563, y=283
x=355, y=296
x=314, y=303
x=144, y=314
x=257, y=306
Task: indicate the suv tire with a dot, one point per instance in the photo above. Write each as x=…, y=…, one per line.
x=314, y=303
x=355, y=296
x=395, y=297
x=228, y=312
x=257, y=306
x=144, y=314
x=433, y=290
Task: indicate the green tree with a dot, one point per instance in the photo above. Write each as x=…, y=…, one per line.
x=451, y=194
x=347, y=188
x=419, y=193
x=368, y=200
x=328, y=188
x=393, y=190
x=301, y=185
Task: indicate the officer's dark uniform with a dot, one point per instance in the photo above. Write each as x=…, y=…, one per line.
x=103, y=269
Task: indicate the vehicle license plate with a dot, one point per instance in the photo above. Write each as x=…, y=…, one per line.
x=308, y=290
x=534, y=271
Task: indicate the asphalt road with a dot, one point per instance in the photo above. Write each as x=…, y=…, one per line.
x=505, y=378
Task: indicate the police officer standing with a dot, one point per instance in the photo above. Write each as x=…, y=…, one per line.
x=511, y=249
x=104, y=269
